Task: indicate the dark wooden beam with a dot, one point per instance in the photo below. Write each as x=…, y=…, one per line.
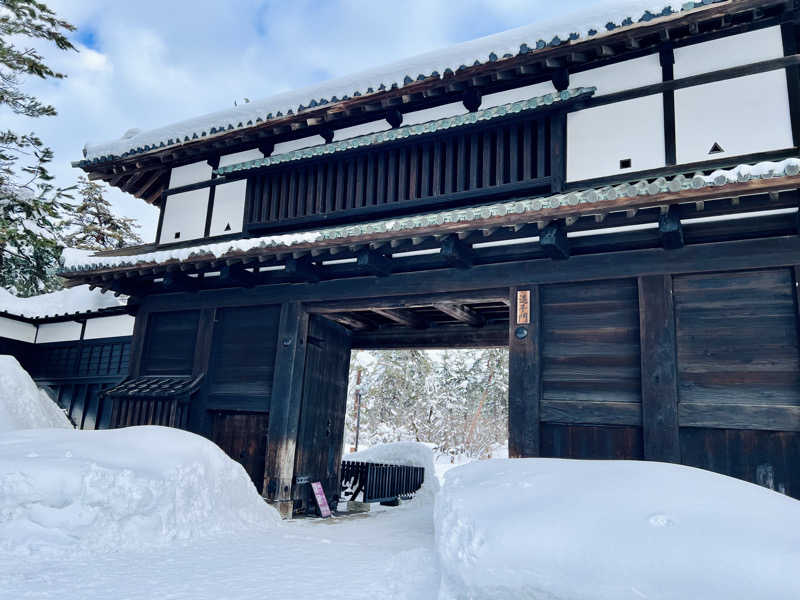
x=461, y=313
x=411, y=301
x=351, y=321
x=402, y=316
x=301, y=269
x=524, y=372
x=237, y=275
x=438, y=336
x=553, y=240
x=284, y=408
x=372, y=262
x=457, y=253
x=670, y=229
x=659, y=369
x=176, y=281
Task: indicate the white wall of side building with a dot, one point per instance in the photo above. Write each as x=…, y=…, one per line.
x=17, y=330
x=104, y=327
x=66, y=331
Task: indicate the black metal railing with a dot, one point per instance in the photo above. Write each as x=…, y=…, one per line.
x=377, y=482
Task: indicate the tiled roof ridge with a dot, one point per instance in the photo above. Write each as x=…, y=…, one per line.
x=401, y=132
x=230, y=120
x=526, y=207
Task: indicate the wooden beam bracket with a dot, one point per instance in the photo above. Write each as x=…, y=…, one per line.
x=670, y=229
x=553, y=240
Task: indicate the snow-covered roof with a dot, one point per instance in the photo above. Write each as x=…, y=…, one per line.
x=600, y=19
x=527, y=209
x=411, y=130
x=76, y=300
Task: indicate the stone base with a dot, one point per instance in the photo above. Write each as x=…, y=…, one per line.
x=357, y=507
x=285, y=508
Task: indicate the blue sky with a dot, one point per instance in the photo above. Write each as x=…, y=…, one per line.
x=149, y=63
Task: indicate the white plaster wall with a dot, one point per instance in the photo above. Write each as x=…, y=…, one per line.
x=598, y=138
x=228, y=207
x=520, y=93
x=625, y=75
x=437, y=112
x=731, y=51
x=17, y=330
x=184, y=213
x=306, y=142
x=103, y=327
x=744, y=115
x=188, y=174
x=238, y=157
x=363, y=129
x=66, y=331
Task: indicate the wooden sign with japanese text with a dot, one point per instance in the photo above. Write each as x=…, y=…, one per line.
x=322, y=501
x=523, y=307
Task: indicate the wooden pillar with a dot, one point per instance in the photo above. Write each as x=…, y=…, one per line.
x=524, y=372
x=199, y=419
x=659, y=369
x=137, y=342
x=284, y=408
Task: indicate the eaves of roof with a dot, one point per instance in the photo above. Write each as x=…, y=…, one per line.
x=400, y=133
x=739, y=181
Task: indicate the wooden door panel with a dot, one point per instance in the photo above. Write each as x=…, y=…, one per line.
x=243, y=437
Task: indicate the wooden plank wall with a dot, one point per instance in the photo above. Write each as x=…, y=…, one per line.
x=739, y=375
x=322, y=415
x=480, y=158
x=75, y=373
x=242, y=361
x=170, y=344
x=718, y=386
x=591, y=368
x=243, y=436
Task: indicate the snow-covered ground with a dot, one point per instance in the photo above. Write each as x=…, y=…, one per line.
x=612, y=530
x=151, y=512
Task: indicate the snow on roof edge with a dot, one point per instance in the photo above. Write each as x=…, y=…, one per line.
x=66, y=302
x=740, y=174
x=582, y=25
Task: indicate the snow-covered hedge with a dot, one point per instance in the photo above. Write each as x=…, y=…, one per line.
x=558, y=529
x=22, y=404
x=413, y=454
x=63, y=490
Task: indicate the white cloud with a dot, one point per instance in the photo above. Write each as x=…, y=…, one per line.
x=149, y=63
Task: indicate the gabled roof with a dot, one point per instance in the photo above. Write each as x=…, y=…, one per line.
x=741, y=180
x=574, y=29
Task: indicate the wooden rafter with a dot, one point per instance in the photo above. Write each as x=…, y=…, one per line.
x=402, y=316
x=461, y=313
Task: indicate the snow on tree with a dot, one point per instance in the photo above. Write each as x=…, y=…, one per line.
x=456, y=400
x=93, y=226
x=30, y=204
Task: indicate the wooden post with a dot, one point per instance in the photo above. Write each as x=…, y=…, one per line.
x=137, y=342
x=284, y=410
x=659, y=369
x=524, y=372
x=199, y=420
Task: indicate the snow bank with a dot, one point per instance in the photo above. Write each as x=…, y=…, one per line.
x=549, y=528
x=62, y=491
x=414, y=454
x=22, y=404
x=68, y=301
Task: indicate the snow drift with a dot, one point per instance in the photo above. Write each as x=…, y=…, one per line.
x=557, y=529
x=64, y=490
x=22, y=404
x=413, y=454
